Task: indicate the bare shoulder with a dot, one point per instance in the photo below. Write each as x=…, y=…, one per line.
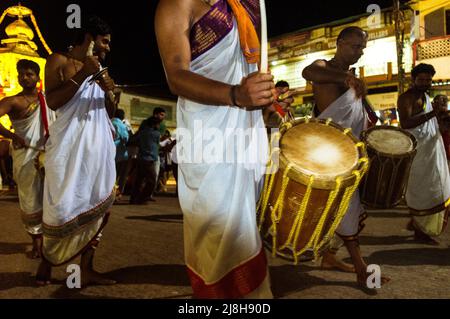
x=405, y=100
x=56, y=60
x=8, y=104
x=10, y=100
x=321, y=63
x=164, y=5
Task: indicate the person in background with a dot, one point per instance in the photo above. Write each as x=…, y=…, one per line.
x=121, y=137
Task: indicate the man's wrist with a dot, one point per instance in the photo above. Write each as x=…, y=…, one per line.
x=430, y=115
x=233, y=94
x=80, y=77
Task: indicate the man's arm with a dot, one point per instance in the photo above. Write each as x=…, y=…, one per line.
x=59, y=91
x=6, y=106
x=172, y=25
x=405, y=109
x=320, y=73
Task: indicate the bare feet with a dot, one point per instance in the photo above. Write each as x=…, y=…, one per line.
x=44, y=273
x=36, y=251
x=329, y=261
x=92, y=277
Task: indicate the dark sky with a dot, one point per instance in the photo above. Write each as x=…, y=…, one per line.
x=134, y=58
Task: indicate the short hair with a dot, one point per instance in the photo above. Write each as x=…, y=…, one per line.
x=158, y=110
x=94, y=26
x=439, y=96
x=28, y=64
x=422, y=68
x=349, y=31
x=120, y=114
x=281, y=84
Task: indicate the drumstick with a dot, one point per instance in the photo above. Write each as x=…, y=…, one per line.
x=264, y=59
x=90, y=52
x=35, y=148
x=289, y=93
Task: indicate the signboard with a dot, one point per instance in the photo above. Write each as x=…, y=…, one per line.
x=141, y=110
x=383, y=101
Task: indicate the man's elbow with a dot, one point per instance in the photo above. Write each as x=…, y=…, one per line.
x=174, y=86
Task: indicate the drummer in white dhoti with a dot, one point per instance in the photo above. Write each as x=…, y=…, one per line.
x=80, y=168
x=210, y=51
x=30, y=121
x=338, y=95
x=428, y=189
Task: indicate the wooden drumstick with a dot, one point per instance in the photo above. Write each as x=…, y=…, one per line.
x=289, y=93
x=90, y=52
x=264, y=66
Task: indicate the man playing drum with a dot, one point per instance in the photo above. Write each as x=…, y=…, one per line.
x=428, y=189
x=26, y=114
x=338, y=94
x=210, y=51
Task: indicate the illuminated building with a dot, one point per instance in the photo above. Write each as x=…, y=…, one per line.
x=18, y=45
x=426, y=25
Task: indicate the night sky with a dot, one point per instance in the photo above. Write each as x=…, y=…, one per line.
x=134, y=57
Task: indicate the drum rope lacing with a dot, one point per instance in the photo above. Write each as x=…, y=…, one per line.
x=277, y=210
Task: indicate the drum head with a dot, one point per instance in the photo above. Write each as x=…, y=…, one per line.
x=320, y=150
x=389, y=141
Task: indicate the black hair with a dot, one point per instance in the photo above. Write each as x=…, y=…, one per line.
x=282, y=84
x=120, y=114
x=349, y=31
x=94, y=26
x=158, y=110
x=28, y=64
x=422, y=68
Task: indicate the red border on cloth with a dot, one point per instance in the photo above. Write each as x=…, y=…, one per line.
x=239, y=282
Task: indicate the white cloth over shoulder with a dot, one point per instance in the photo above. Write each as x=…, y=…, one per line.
x=429, y=181
x=30, y=183
x=79, y=164
x=218, y=174
x=348, y=111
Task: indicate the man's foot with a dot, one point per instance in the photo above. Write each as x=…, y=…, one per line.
x=37, y=243
x=35, y=253
x=44, y=273
x=329, y=261
x=92, y=277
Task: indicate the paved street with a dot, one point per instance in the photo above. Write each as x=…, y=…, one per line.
x=142, y=248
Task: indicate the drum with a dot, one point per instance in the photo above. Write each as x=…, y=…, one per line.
x=320, y=167
x=391, y=152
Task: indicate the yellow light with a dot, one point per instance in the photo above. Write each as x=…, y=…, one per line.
x=5, y=121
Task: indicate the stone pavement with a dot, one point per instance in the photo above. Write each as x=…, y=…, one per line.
x=142, y=248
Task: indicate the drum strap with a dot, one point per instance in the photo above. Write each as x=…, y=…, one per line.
x=373, y=117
